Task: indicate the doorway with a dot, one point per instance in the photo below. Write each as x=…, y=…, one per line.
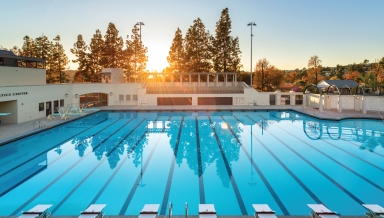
x=48, y=108
x=56, y=106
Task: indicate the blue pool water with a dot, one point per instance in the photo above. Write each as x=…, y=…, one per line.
x=230, y=159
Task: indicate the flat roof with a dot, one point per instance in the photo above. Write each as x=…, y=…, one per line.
x=11, y=55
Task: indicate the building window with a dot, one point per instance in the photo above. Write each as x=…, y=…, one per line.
x=127, y=97
x=121, y=97
x=62, y=103
x=134, y=97
x=41, y=106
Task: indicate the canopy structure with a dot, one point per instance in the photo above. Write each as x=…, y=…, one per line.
x=340, y=85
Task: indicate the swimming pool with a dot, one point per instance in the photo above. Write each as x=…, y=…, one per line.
x=230, y=159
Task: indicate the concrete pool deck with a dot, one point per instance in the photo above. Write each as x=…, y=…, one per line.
x=10, y=132
x=189, y=216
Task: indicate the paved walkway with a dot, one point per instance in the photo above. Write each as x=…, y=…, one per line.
x=9, y=132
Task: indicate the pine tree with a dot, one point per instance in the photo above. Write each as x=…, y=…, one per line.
x=135, y=53
x=95, y=57
x=28, y=49
x=177, y=53
x=43, y=50
x=80, y=49
x=198, y=48
x=113, y=47
x=225, y=49
x=59, y=62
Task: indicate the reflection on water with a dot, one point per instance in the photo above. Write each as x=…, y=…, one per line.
x=125, y=135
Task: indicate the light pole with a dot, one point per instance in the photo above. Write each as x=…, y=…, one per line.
x=138, y=23
x=251, y=24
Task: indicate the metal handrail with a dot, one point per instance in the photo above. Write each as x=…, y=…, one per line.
x=186, y=209
x=380, y=115
x=170, y=210
x=41, y=124
x=33, y=126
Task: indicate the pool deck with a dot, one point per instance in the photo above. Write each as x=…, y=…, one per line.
x=190, y=216
x=10, y=132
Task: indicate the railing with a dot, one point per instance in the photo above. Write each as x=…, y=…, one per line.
x=192, y=91
x=38, y=125
x=245, y=84
x=186, y=209
x=170, y=210
x=380, y=115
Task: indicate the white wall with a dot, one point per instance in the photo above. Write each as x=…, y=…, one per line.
x=28, y=105
x=374, y=103
x=16, y=76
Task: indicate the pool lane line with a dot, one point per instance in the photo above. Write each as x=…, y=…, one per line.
x=22, y=181
x=54, y=181
x=101, y=191
x=298, y=181
x=351, y=154
x=170, y=175
x=102, y=141
x=50, y=163
x=125, y=137
x=139, y=177
x=77, y=186
x=48, y=150
x=48, y=186
x=265, y=181
x=336, y=161
x=322, y=173
x=199, y=164
x=373, y=152
x=83, y=180
x=369, y=163
x=164, y=123
x=229, y=171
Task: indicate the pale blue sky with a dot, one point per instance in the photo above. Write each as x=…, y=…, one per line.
x=288, y=32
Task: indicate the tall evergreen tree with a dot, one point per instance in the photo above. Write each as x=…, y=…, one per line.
x=43, y=48
x=225, y=49
x=113, y=47
x=177, y=53
x=135, y=53
x=80, y=50
x=28, y=49
x=198, y=48
x=58, y=62
x=95, y=57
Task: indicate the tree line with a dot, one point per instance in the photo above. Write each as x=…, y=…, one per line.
x=268, y=78
x=110, y=51
x=52, y=51
x=199, y=51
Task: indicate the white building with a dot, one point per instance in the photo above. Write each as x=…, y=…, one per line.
x=26, y=96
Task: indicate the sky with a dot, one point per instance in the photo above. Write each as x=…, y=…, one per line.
x=287, y=34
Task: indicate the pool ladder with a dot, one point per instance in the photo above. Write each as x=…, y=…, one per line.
x=380, y=115
x=170, y=210
x=38, y=125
